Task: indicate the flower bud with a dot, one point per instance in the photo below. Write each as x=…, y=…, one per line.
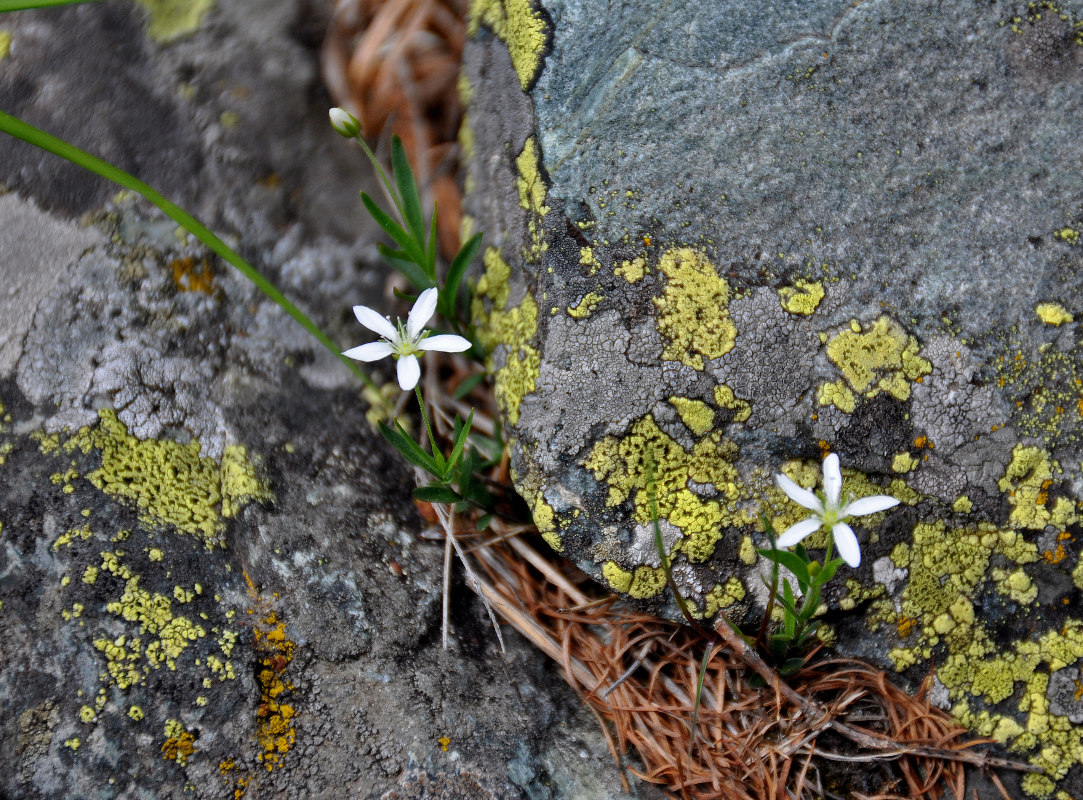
x=344, y=122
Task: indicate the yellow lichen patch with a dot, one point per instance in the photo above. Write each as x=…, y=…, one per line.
x=167, y=482
x=837, y=394
x=5, y=43
x=588, y=258
x=903, y=462
x=241, y=481
x=532, y=193
x=801, y=298
x=586, y=305
x=946, y=569
x=1053, y=314
x=1015, y=584
x=881, y=359
x=179, y=743
x=747, y=551
x=514, y=329
x=633, y=270
x=721, y=597
x=724, y=397
x=172, y=19
x=1069, y=235
x=545, y=521
x=623, y=464
x=697, y=415
x=647, y=582
x=693, y=309
x=962, y=505
x=1027, y=481
x=519, y=26
x=619, y=580
x=65, y=539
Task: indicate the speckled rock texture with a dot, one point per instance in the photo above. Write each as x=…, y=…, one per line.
x=213, y=582
x=724, y=239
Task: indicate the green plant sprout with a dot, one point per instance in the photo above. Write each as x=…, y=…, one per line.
x=454, y=476
x=798, y=626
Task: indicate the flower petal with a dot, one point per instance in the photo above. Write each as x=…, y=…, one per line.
x=868, y=505
x=832, y=480
x=803, y=497
x=798, y=531
x=422, y=312
x=375, y=322
x=369, y=352
x=846, y=542
x=445, y=343
x=409, y=372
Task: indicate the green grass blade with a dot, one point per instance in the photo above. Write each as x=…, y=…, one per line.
x=455, y=274
x=394, y=230
x=23, y=5
x=404, y=179
x=39, y=138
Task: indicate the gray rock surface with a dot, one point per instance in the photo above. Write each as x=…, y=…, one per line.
x=212, y=579
x=725, y=239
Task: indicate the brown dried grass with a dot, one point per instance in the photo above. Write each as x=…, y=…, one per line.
x=394, y=64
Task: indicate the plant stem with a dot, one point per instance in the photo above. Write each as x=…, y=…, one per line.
x=425, y=418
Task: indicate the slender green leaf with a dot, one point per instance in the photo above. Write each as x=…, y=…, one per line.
x=790, y=561
x=430, y=248
x=484, y=521
x=829, y=570
x=39, y=138
x=409, y=449
x=467, y=386
x=460, y=440
x=22, y=5
x=436, y=494
x=790, y=666
x=404, y=179
x=394, y=230
x=397, y=259
x=455, y=274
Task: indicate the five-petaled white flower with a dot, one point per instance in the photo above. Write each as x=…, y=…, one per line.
x=405, y=342
x=826, y=512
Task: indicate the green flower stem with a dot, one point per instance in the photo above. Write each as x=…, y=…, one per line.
x=22, y=5
x=28, y=133
x=378, y=168
x=428, y=428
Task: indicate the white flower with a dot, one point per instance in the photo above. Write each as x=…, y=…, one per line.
x=405, y=342
x=344, y=122
x=828, y=513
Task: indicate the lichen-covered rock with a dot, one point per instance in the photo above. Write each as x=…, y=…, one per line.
x=724, y=239
x=212, y=582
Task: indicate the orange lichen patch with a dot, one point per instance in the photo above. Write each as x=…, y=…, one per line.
x=906, y=625
x=274, y=729
x=1058, y=553
x=192, y=278
x=444, y=741
x=179, y=745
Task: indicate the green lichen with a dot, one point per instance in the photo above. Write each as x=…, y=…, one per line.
x=169, y=483
x=172, y=19
x=532, y=193
x=693, y=309
x=514, y=329
x=521, y=27
x=882, y=359
x=802, y=298
x=697, y=415
x=586, y=305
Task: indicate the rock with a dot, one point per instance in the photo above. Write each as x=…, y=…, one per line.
x=724, y=240
x=211, y=576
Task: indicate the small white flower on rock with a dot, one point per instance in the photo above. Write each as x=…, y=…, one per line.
x=405, y=342
x=827, y=512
